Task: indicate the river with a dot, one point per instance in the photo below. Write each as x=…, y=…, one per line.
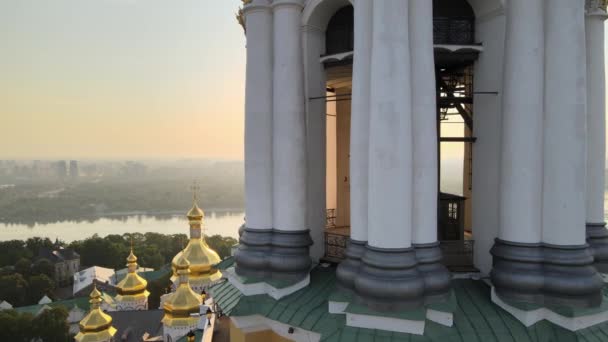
x=225, y=223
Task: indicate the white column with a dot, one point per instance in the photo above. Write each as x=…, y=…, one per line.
x=424, y=108
x=359, y=121
x=258, y=115
x=596, y=112
x=316, y=131
x=390, y=140
x=289, y=144
x=565, y=124
x=521, y=169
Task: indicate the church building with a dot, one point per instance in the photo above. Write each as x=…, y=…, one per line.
x=348, y=227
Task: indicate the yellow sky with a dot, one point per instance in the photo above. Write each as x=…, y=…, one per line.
x=121, y=79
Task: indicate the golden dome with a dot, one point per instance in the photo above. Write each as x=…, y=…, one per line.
x=96, y=326
x=197, y=252
x=181, y=304
x=195, y=213
x=131, y=258
x=201, y=258
x=132, y=286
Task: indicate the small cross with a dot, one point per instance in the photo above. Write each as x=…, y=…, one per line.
x=195, y=188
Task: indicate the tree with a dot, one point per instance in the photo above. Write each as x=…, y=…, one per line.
x=23, y=266
x=221, y=244
x=158, y=288
x=44, y=266
x=15, y=326
x=40, y=286
x=51, y=325
x=34, y=244
x=12, y=251
x=13, y=289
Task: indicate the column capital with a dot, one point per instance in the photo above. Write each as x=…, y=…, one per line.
x=596, y=8
x=255, y=6
x=288, y=3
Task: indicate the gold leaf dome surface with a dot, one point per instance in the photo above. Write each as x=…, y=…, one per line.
x=96, y=326
x=132, y=286
x=184, y=302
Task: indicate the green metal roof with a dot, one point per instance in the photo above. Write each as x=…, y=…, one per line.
x=476, y=318
x=80, y=302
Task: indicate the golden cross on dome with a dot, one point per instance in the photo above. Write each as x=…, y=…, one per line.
x=195, y=188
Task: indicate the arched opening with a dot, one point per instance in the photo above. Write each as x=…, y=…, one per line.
x=455, y=54
x=453, y=22
x=340, y=34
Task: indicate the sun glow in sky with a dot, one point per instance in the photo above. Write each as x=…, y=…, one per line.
x=121, y=79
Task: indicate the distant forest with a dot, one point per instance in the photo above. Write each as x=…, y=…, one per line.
x=153, y=190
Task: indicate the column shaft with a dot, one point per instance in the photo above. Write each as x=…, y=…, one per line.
x=597, y=235
x=258, y=117
x=390, y=141
x=517, y=271
x=388, y=278
x=565, y=124
x=289, y=144
x=424, y=108
x=256, y=235
x=424, y=118
x=290, y=259
x=360, y=109
x=522, y=124
x=359, y=144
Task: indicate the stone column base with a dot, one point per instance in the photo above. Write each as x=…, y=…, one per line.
x=394, y=279
x=273, y=254
x=597, y=238
x=348, y=269
x=545, y=275
x=532, y=315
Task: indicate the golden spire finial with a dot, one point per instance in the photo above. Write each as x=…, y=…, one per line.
x=195, y=214
x=195, y=188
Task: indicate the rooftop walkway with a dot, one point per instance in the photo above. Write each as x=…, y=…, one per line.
x=476, y=318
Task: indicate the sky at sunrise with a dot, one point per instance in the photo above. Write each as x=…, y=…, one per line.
x=122, y=79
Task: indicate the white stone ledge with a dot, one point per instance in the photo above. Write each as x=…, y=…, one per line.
x=390, y=323
x=262, y=287
x=529, y=318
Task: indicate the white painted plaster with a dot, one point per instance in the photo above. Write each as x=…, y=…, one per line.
x=258, y=115
x=565, y=124
x=289, y=124
x=424, y=119
x=337, y=307
x=520, y=192
x=529, y=318
x=596, y=117
x=385, y=323
x=390, y=150
x=262, y=287
x=440, y=317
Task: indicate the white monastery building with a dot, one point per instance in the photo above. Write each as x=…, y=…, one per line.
x=346, y=102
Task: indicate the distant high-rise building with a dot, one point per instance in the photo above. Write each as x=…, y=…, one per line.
x=74, y=168
x=61, y=168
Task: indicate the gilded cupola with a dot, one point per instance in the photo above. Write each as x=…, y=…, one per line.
x=197, y=252
x=133, y=286
x=184, y=302
x=96, y=326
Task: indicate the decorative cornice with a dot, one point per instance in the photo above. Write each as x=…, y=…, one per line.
x=596, y=7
